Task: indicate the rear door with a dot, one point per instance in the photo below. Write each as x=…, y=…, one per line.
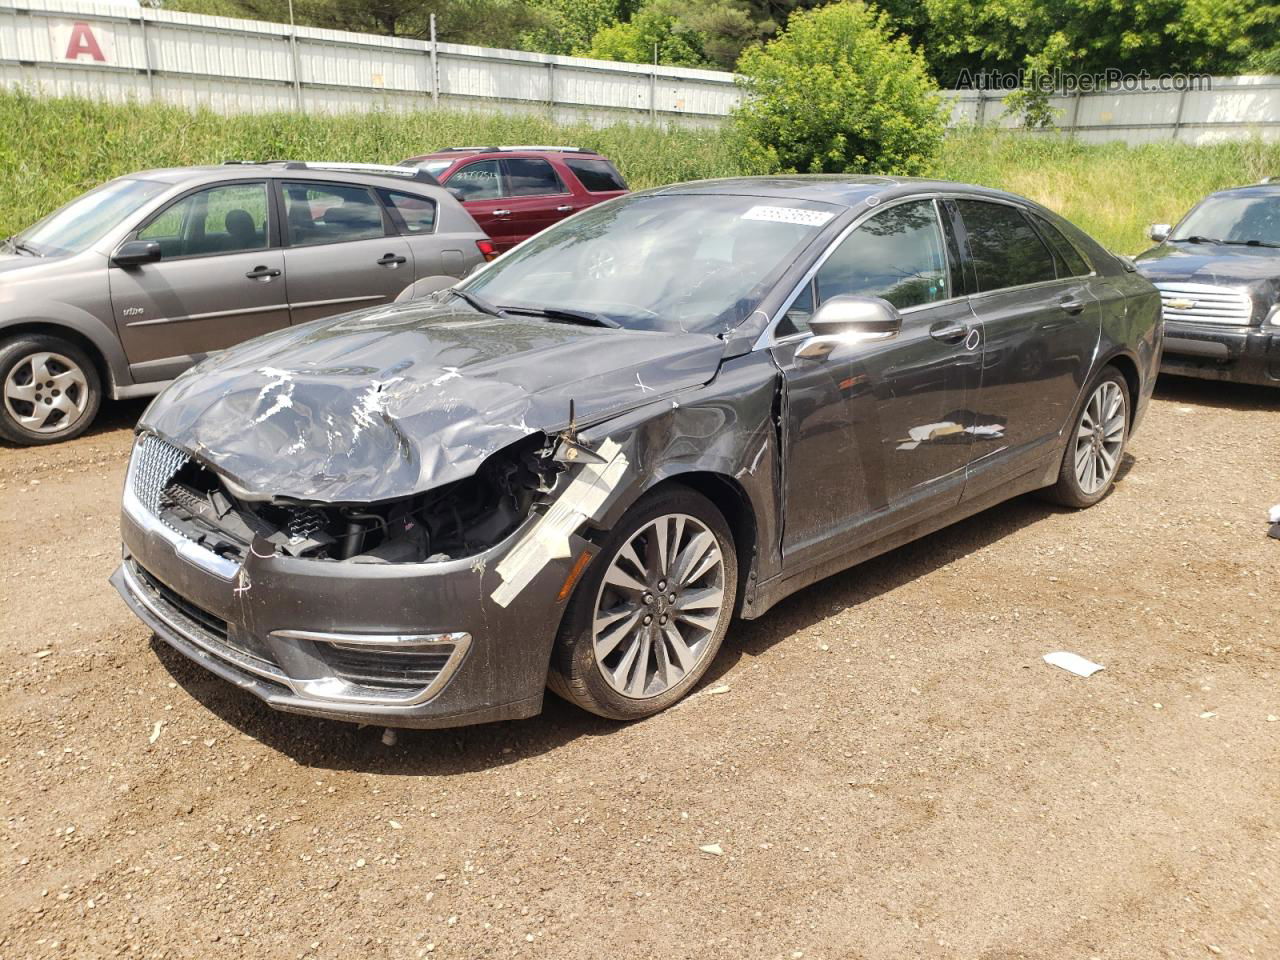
x=341, y=250
x=220, y=280
x=1040, y=330
x=536, y=196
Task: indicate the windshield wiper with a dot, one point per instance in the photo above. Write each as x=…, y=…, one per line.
x=481, y=304
x=1251, y=243
x=1196, y=238
x=563, y=313
x=24, y=247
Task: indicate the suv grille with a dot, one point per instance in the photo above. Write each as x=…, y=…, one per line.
x=1203, y=303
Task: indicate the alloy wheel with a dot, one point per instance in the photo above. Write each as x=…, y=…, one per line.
x=46, y=393
x=1100, y=437
x=658, y=606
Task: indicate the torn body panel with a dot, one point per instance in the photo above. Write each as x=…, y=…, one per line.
x=391, y=402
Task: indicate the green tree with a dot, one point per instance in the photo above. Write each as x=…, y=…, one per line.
x=838, y=92
x=566, y=26
x=687, y=33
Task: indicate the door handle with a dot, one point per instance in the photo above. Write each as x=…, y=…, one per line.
x=262, y=273
x=564, y=208
x=1070, y=305
x=948, y=331
x=390, y=260
x=502, y=213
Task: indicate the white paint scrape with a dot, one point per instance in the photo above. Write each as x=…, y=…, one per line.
x=549, y=537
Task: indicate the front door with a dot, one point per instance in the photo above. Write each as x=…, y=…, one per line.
x=481, y=187
x=341, y=252
x=219, y=281
x=878, y=435
x=1041, y=322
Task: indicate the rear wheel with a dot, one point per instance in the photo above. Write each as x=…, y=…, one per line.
x=51, y=390
x=1096, y=444
x=646, y=622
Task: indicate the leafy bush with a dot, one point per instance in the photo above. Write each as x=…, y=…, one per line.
x=837, y=93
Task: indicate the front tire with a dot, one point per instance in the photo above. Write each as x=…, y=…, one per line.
x=50, y=388
x=1096, y=444
x=647, y=620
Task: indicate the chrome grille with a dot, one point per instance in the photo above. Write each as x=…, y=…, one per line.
x=155, y=461
x=1204, y=303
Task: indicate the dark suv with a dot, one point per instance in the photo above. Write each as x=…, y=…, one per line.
x=128, y=285
x=1218, y=272
x=514, y=192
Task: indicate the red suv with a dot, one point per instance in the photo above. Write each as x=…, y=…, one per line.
x=514, y=192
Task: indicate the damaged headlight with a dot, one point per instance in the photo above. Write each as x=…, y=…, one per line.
x=457, y=520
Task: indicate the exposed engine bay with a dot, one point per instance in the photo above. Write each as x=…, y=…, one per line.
x=456, y=520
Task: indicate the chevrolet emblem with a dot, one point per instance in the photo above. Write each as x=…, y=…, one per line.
x=1180, y=304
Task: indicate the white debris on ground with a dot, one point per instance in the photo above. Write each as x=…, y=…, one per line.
x=1072, y=663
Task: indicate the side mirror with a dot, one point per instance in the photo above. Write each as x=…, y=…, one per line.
x=849, y=319
x=134, y=253
x=1159, y=232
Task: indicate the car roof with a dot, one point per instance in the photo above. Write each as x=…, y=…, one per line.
x=464, y=153
x=846, y=190
x=194, y=176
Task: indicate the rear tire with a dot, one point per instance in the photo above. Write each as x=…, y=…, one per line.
x=49, y=387
x=645, y=624
x=1098, y=437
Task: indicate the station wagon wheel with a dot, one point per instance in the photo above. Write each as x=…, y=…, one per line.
x=645, y=624
x=51, y=390
x=1096, y=444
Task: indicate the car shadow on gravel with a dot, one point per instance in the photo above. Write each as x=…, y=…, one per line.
x=1219, y=394
x=326, y=744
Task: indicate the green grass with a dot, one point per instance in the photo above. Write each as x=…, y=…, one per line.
x=56, y=149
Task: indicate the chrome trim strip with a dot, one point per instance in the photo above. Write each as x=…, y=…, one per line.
x=227, y=654
x=208, y=316
x=376, y=640
x=335, y=302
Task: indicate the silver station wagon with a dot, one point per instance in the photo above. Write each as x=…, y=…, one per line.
x=130, y=284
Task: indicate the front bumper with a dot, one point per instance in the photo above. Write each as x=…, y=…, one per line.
x=409, y=645
x=1215, y=352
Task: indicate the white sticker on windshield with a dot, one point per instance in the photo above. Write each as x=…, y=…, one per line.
x=810, y=218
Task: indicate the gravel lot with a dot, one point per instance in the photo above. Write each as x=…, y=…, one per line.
x=885, y=763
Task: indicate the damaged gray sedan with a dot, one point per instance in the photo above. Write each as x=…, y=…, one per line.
x=575, y=468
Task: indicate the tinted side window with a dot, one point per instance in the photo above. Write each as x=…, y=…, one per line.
x=415, y=214
x=897, y=254
x=225, y=219
x=1006, y=251
x=324, y=213
x=481, y=180
x=1076, y=266
x=531, y=177
x=597, y=176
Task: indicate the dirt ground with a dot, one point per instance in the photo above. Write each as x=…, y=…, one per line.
x=892, y=772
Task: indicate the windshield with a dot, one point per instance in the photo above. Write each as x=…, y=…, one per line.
x=698, y=263
x=82, y=221
x=1239, y=219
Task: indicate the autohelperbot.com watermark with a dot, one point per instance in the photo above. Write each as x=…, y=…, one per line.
x=1061, y=81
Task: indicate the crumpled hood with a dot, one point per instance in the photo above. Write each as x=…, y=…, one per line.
x=392, y=401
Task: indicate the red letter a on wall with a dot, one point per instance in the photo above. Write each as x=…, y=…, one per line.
x=83, y=41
